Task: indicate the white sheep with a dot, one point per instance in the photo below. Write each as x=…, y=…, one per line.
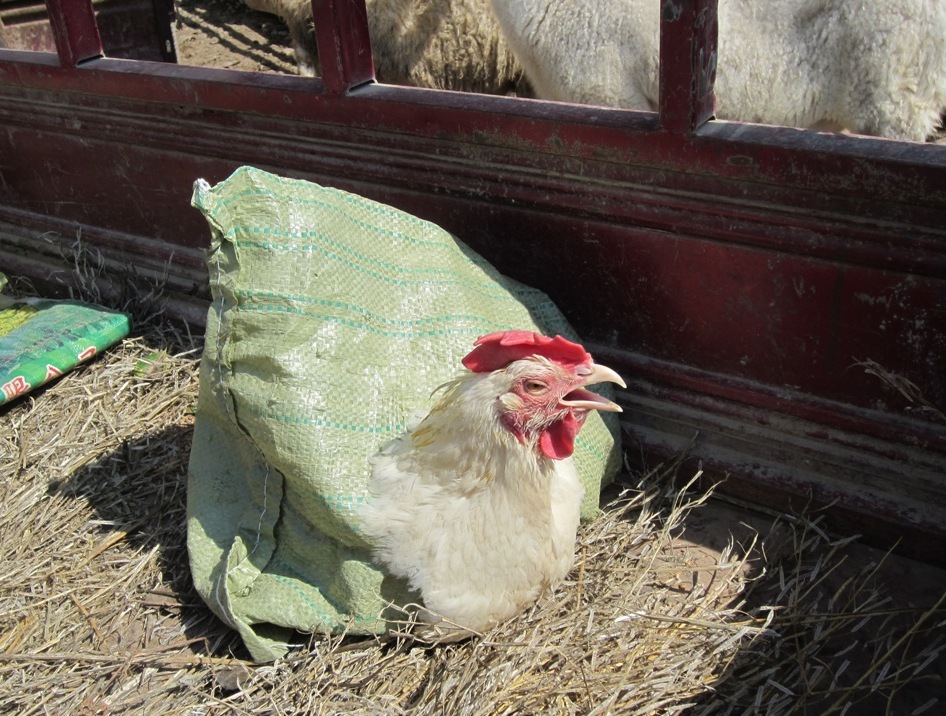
x=870, y=66
x=444, y=44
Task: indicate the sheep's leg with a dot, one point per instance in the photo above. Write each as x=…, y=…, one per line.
x=303, y=40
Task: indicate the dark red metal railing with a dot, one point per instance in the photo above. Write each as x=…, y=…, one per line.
x=341, y=29
x=688, y=36
x=74, y=30
x=687, y=51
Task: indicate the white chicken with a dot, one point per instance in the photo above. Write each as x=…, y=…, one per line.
x=477, y=507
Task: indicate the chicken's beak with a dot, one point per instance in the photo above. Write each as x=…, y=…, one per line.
x=586, y=400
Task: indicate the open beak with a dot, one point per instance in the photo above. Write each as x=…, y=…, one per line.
x=585, y=399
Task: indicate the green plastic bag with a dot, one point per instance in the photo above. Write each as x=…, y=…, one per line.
x=41, y=339
x=333, y=319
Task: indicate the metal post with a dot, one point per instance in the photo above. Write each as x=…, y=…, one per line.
x=688, y=34
x=164, y=19
x=74, y=31
x=341, y=30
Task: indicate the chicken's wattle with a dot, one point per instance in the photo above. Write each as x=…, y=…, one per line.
x=558, y=441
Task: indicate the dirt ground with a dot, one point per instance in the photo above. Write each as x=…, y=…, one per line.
x=228, y=35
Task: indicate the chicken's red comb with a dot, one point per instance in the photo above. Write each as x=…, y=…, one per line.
x=497, y=350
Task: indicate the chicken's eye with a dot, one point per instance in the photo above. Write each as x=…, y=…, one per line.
x=535, y=387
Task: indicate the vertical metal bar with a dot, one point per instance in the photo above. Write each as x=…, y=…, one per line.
x=341, y=31
x=688, y=35
x=74, y=31
x=164, y=19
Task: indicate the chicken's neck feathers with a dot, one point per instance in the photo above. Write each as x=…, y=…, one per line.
x=464, y=435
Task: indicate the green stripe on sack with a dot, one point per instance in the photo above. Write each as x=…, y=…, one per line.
x=360, y=204
x=258, y=297
x=375, y=273
x=475, y=331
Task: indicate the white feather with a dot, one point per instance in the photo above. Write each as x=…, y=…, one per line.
x=478, y=523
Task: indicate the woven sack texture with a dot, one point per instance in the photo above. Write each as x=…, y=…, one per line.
x=333, y=319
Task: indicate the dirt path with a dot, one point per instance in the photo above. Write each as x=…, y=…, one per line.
x=227, y=34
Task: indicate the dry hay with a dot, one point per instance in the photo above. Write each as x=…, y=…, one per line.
x=98, y=616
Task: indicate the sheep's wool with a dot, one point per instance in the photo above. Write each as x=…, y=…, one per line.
x=333, y=319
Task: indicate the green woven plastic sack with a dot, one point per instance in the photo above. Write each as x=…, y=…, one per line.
x=333, y=319
x=40, y=339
